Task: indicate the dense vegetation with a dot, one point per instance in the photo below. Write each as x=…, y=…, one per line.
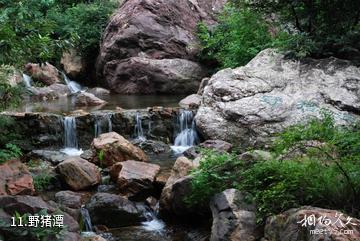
x=315, y=28
x=315, y=164
x=10, y=96
x=38, y=31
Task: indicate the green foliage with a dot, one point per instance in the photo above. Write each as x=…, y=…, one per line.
x=318, y=28
x=216, y=173
x=325, y=175
x=42, y=180
x=239, y=36
x=38, y=31
x=9, y=96
x=9, y=152
x=84, y=23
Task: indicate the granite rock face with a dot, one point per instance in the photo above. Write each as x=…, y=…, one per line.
x=149, y=46
x=246, y=106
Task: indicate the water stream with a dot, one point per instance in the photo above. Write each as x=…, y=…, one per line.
x=86, y=219
x=71, y=145
x=27, y=80
x=139, y=133
x=103, y=124
x=73, y=86
x=187, y=135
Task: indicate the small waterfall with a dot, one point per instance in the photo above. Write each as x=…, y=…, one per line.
x=86, y=219
x=73, y=86
x=27, y=81
x=70, y=137
x=187, y=136
x=101, y=123
x=153, y=223
x=139, y=133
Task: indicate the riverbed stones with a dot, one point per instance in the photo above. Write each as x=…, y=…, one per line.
x=248, y=105
x=88, y=99
x=79, y=174
x=296, y=225
x=114, y=211
x=110, y=148
x=162, y=56
x=15, y=179
x=135, y=179
x=233, y=218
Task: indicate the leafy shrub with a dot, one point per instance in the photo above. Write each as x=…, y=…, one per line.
x=42, y=180
x=38, y=31
x=317, y=28
x=84, y=24
x=239, y=36
x=9, y=152
x=277, y=185
x=217, y=172
x=9, y=96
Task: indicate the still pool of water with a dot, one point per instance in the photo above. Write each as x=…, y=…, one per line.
x=66, y=104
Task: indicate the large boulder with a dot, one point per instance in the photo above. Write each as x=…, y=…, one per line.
x=114, y=211
x=233, y=218
x=44, y=73
x=149, y=76
x=177, y=188
x=111, y=147
x=15, y=179
x=79, y=174
x=246, y=106
x=135, y=179
x=163, y=46
x=312, y=224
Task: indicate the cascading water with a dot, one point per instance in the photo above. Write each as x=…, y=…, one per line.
x=153, y=223
x=187, y=136
x=102, y=123
x=73, y=86
x=27, y=81
x=70, y=137
x=86, y=219
x=139, y=133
